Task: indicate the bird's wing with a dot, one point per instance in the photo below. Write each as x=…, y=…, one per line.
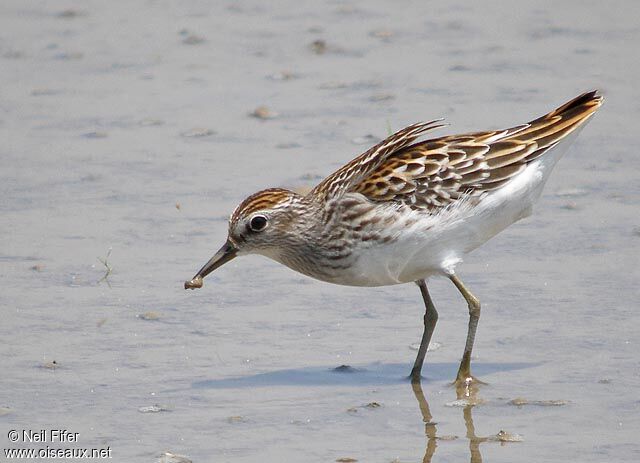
x=358, y=170
x=432, y=174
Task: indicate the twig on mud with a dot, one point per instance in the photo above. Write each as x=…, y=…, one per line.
x=107, y=266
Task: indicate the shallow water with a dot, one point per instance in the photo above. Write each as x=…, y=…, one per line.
x=127, y=135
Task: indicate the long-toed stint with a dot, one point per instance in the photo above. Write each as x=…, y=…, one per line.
x=406, y=210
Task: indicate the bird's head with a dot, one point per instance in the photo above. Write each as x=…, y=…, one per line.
x=264, y=223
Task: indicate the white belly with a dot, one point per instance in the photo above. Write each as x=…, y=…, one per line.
x=435, y=244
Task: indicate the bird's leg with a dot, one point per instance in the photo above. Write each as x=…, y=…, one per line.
x=430, y=319
x=464, y=377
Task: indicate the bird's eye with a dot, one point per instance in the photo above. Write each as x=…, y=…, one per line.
x=258, y=223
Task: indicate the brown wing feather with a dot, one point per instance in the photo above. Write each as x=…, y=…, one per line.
x=432, y=174
x=351, y=174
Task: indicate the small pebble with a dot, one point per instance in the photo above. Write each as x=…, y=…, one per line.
x=168, y=457
x=381, y=97
x=43, y=92
x=373, y=405
x=52, y=365
x=520, y=401
x=288, y=146
x=149, y=122
x=551, y=403
x=193, y=39
x=236, y=419
x=37, y=267
x=189, y=38
x=334, y=85
x=301, y=422
x=95, y=134
x=262, y=112
x=384, y=34
x=459, y=68
x=150, y=316
x=319, y=47
x=346, y=460
x=198, y=133
x=282, y=75
x=570, y=206
x=70, y=14
x=4, y=411
x=154, y=409
x=69, y=56
x=505, y=436
x=345, y=369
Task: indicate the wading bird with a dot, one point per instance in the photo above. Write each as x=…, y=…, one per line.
x=406, y=210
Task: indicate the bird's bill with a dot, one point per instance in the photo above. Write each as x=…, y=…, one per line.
x=227, y=252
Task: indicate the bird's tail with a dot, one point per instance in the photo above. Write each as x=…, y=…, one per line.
x=557, y=126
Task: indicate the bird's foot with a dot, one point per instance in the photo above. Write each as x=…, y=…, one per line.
x=415, y=377
x=467, y=385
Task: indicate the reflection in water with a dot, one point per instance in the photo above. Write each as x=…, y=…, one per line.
x=469, y=395
x=429, y=426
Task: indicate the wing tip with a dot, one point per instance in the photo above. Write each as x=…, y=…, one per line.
x=594, y=96
x=591, y=99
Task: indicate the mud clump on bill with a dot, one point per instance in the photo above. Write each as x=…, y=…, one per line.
x=194, y=283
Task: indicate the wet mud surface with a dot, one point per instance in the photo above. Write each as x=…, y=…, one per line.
x=130, y=132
